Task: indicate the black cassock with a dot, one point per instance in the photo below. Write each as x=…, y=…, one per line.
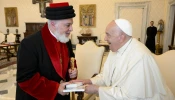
x=35, y=68
x=150, y=42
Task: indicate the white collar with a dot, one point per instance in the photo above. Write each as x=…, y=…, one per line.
x=52, y=34
x=124, y=47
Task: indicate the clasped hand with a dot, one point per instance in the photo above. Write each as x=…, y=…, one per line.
x=73, y=73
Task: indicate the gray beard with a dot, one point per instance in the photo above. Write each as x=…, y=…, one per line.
x=62, y=38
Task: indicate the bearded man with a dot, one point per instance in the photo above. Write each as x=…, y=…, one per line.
x=43, y=61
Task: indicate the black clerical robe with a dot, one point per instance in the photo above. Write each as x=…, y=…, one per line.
x=150, y=41
x=39, y=68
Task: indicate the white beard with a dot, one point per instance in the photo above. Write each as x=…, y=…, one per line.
x=62, y=38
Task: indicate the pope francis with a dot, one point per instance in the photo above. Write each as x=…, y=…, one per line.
x=130, y=71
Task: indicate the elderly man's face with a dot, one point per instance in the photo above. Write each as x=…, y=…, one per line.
x=63, y=29
x=113, y=36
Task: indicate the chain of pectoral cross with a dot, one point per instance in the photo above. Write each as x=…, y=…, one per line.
x=61, y=61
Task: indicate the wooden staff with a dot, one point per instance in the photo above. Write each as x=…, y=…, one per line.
x=72, y=60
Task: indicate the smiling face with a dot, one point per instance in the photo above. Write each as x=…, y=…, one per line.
x=114, y=36
x=62, y=29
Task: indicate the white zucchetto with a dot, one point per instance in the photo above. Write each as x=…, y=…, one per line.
x=125, y=26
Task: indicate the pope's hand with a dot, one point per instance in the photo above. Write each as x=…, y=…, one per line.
x=62, y=87
x=91, y=89
x=73, y=73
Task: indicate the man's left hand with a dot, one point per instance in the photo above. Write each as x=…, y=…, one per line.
x=91, y=89
x=73, y=73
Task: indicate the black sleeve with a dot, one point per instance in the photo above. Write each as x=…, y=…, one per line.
x=26, y=61
x=147, y=31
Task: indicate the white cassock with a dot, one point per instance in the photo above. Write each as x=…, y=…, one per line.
x=131, y=73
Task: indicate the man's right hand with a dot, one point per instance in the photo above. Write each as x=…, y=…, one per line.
x=62, y=87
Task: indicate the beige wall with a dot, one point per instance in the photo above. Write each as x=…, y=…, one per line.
x=28, y=12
